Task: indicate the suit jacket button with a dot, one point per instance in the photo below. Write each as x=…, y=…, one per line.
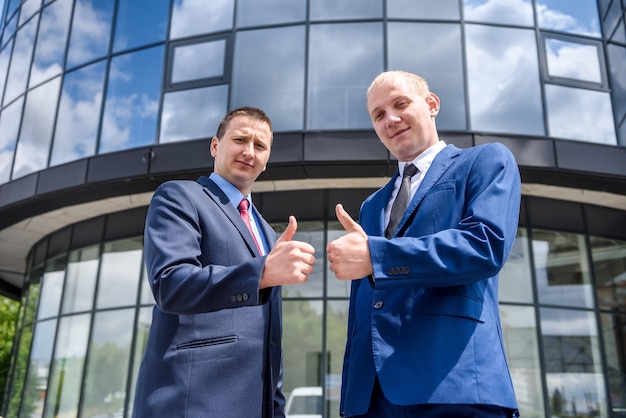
x=378, y=304
x=391, y=271
x=239, y=298
x=406, y=270
x=233, y=298
x=245, y=297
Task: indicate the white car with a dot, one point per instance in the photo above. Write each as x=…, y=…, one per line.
x=305, y=402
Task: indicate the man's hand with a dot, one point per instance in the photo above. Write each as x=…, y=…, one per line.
x=349, y=255
x=289, y=262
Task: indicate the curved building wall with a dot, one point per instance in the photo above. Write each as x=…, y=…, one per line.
x=102, y=101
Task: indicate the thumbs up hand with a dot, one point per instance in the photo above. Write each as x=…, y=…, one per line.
x=289, y=262
x=349, y=255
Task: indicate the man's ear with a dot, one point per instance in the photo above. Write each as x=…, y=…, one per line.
x=213, y=146
x=433, y=104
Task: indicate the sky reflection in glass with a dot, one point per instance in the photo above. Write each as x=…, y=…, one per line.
x=277, y=86
x=579, y=114
x=91, y=31
x=193, y=114
x=34, y=144
x=138, y=25
x=343, y=59
x=193, y=17
x=269, y=12
x=503, y=77
x=51, y=42
x=20, y=61
x=132, y=103
x=198, y=61
x=79, y=113
x=573, y=60
x=9, y=124
x=579, y=16
x=513, y=12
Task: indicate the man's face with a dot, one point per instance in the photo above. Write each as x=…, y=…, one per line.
x=403, y=120
x=242, y=154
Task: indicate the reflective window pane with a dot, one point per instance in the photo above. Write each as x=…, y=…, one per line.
x=345, y=9
x=614, y=339
x=20, y=61
x=609, y=267
x=579, y=114
x=67, y=366
x=79, y=112
x=518, y=12
x=343, y=60
x=142, y=329
x=17, y=394
x=80, y=282
x=132, y=102
x=580, y=16
x=441, y=64
x=573, y=60
x=108, y=363
x=423, y=9
x=121, y=269
x=138, y=24
x=503, y=77
x=38, y=368
x=190, y=17
x=561, y=269
x=51, y=288
x=268, y=12
x=313, y=233
x=277, y=87
x=522, y=350
x=5, y=57
x=515, y=283
x=617, y=70
x=51, y=42
x=28, y=9
x=198, y=61
x=9, y=29
x=9, y=124
x=302, y=343
x=91, y=31
x=146, y=297
x=33, y=146
x=574, y=378
x=336, y=325
x=193, y=114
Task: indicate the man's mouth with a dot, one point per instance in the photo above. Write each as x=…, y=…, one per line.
x=396, y=133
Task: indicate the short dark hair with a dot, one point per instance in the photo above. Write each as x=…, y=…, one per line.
x=251, y=112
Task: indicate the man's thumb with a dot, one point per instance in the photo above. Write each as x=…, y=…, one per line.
x=344, y=218
x=290, y=231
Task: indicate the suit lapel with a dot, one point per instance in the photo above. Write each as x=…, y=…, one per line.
x=440, y=165
x=221, y=201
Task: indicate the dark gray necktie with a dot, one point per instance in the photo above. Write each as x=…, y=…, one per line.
x=402, y=200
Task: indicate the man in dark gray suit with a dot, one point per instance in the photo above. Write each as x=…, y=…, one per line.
x=214, y=348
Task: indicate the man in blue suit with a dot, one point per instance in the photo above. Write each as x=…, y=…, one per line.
x=214, y=347
x=424, y=331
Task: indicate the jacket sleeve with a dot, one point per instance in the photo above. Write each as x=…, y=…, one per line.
x=180, y=278
x=475, y=218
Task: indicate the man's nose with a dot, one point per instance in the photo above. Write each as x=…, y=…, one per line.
x=392, y=119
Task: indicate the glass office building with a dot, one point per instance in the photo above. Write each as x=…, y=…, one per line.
x=101, y=101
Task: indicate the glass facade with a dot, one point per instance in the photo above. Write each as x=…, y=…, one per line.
x=102, y=77
x=81, y=78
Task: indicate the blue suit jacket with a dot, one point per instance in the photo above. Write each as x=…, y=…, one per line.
x=214, y=347
x=427, y=322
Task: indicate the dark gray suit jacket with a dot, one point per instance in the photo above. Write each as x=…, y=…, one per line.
x=214, y=347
